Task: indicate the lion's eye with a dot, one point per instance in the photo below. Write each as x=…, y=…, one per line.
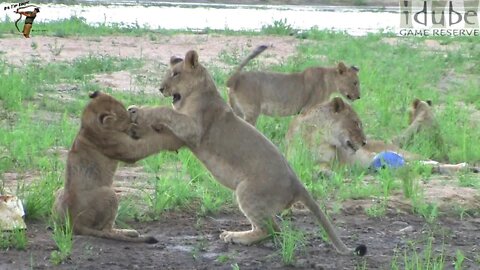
x=175, y=73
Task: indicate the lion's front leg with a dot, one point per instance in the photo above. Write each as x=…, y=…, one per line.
x=181, y=125
x=403, y=139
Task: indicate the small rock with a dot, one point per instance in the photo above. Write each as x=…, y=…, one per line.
x=399, y=224
x=407, y=229
x=302, y=263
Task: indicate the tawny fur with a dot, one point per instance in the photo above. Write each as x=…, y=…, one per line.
x=88, y=197
x=422, y=121
x=320, y=128
x=330, y=131
x=283, y=94
x=236, y=154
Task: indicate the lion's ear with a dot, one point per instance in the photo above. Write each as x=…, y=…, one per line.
x=191, y=60
x=107, y=118
x=175, y=60
x=338, y=104
x=94, y=94
x=354, y=68
x=429, y=102
x=415, y=103
x=341, y=68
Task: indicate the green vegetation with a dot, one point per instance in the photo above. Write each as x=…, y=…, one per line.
x=428, y=259
x=35, y=121
x=290, y=241
x=13, y=239
x=76, y=26
x=63, y=237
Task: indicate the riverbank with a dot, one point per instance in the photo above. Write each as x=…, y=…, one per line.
x=378, y=3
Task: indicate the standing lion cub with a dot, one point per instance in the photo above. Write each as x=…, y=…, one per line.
x=236, y=154
x=279, y=94
x=88, y=197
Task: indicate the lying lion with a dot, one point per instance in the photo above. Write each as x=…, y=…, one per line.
x=88, y=197
x=279, y=94
x=321, y=127
x=236, y=154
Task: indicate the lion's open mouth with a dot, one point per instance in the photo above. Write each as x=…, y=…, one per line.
x=133, y=134
x=176, y=97
x=351, y=146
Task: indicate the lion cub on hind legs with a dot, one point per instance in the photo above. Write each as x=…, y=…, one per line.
x=236, y=154
x=88, y=197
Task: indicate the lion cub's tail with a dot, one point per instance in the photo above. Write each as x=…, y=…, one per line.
x=312, y=205
x=82, y=230
x=253, y=54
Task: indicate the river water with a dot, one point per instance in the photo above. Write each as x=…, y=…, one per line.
x=356, y=21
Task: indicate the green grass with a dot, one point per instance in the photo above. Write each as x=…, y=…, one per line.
x=63, y=238
x=13, y=239
x=428, y=259
x=280, y=27
x=14, y=88
x=290, y=241
x=38, y=196
x=76, y=26
x=391, y=76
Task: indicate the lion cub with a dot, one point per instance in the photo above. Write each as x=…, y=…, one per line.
x=422, y=121
x=88, y=197
x=236, y=154
x=279, y=94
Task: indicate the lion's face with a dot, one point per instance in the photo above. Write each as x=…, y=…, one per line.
x=105, y=114
x=166, y=91
x=347, y=81
x=419, y=107
x=184, y=78
x=346, y=130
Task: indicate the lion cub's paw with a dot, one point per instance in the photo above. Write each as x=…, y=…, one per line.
x=227, y=236
x=244, y=238
x=129, y=233
x=133, y=112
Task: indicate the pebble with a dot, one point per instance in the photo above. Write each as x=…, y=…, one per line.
x=407, y=229
x=399, y=224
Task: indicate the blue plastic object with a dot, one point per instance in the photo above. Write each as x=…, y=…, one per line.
x=387, y=159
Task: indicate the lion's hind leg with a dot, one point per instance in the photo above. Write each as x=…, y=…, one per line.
x=261, y=229
x=233, y=103
x=97, y=218
x=249, y=106
x=258, y=212
x=59, y=210
x=115, y=234
x=251, y=113
x=127, y=232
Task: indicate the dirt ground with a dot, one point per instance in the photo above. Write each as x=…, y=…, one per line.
x=155, y=50
x=188, y=241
